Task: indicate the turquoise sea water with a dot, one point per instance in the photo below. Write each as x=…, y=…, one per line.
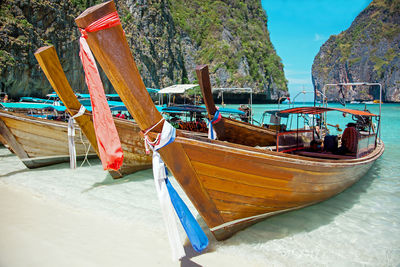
x=359, y=227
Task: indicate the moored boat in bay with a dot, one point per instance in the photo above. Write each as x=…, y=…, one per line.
x=40, y=142
x=231, y=185
x=135, y=157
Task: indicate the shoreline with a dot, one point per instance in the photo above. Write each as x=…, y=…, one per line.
x=38, y=231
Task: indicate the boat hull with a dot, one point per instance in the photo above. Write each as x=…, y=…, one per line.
x=239, y=186
x=132, y=143
x=38, y=142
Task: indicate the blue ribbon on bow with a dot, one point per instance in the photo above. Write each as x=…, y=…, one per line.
x=210, y=123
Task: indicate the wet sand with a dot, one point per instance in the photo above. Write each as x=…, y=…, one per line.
x=37, y=231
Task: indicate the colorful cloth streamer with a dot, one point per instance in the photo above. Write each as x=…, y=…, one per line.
x=197, y=237
x=211, y=132
x=107, y=137
x=170, y=200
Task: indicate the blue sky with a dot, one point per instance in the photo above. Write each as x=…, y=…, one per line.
x=298, y=28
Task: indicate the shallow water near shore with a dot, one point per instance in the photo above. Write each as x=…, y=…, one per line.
x=358, y=227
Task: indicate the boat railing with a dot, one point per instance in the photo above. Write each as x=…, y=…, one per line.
x=325, y=99
x=293, y=140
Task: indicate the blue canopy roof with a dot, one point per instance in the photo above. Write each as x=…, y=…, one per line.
x=25, y=105
x=35, y=99
x=231, y=111
x=193, y=108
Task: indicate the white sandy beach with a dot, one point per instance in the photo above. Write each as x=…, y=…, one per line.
x=55, y=216
x=43, y=225
x=38, y=232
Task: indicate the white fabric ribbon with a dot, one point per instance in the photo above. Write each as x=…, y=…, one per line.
x=166, y=137
x=211, y=132
x=71, y=135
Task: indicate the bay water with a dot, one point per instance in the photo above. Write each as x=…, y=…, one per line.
x=359, y=227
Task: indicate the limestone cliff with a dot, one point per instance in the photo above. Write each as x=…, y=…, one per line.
x=368, y=51
x=166, y=44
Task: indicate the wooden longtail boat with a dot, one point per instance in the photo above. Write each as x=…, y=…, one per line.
x=231, y=130
x=135, y=157
x=40, y=142
x=231, y=185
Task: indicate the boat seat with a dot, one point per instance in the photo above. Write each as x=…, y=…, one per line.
x=324, y=155
x=270, y=148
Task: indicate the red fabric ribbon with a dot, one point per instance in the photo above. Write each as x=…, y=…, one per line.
x=108, y=142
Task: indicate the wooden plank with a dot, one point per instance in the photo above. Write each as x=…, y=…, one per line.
x=264, y=193
x=11, y=141
x=262, y=180
x=270, y=167
x=253, y=201
x=205, y=85
x=50, y=64
x=34, y=128
x=113, y=54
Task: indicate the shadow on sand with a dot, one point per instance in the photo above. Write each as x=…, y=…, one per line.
x=15, y=172
x=135, y=177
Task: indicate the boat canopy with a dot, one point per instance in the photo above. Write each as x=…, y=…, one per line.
x=177, y=88
x=319, y=110
x=35, y=99
x=231, y=110
x=80, y=95
x=24, y=105
x=202, y=109
x=184, y=108
x=276, y=113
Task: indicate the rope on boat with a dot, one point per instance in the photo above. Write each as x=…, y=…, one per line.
x=87, y=149
x=169, y=198
x=71, y=135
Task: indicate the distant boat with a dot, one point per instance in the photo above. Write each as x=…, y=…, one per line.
x=40, y=142
x=355, y=102
x=230, y=129
x=233, y=185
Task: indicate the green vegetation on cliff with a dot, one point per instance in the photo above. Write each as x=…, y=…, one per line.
x=168, y=38
x=368, y=51
x=231, y=33
x=370, y=29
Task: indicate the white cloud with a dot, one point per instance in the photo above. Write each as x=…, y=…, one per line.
x=319, y=37
x=299, y=81
x=292, y=72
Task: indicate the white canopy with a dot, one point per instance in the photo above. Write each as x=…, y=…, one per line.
x=177, y=88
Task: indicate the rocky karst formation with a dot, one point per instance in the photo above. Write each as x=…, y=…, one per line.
x=168, y=39
x=369, y=51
